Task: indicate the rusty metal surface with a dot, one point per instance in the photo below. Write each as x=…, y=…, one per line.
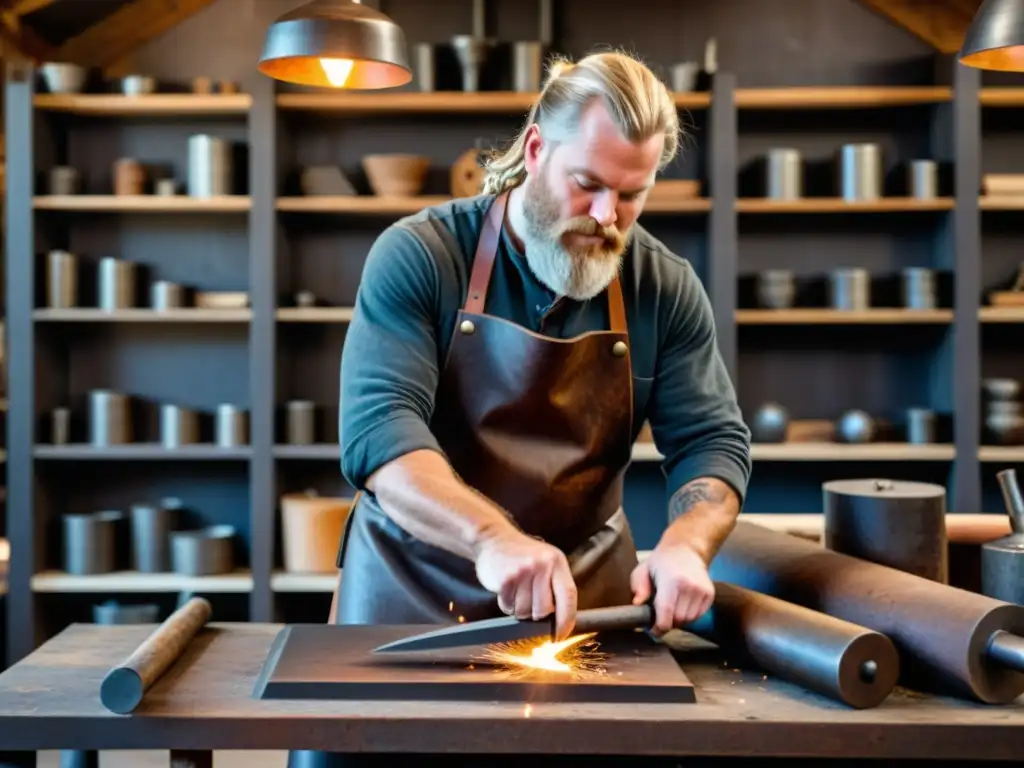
x=890, y=522
x=854, y=665
x=942, y=633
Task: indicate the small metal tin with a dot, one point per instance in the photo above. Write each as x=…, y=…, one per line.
x=178, y=426
x=109, y=418
x=924, y=179
x=61, y=280
x=117, y=284
x=231, y=426
x=300, y=422
x=166, y=295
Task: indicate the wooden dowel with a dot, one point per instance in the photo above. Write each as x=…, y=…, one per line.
x=960, y=528
x=125, y=685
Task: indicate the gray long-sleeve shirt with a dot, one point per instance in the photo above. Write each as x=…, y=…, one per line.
x=415, y=281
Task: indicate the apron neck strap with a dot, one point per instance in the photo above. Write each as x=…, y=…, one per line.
x=483, y=266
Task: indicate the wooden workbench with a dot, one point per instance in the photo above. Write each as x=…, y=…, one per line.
x=50, y=700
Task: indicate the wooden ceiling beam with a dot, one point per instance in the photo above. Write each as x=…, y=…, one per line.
x=940, y=23
x=19, y=39
x=24, y=7
x=126, y=29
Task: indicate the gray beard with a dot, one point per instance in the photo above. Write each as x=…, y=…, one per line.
x=576, y=276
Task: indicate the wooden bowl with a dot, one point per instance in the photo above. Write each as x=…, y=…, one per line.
x=396, y=175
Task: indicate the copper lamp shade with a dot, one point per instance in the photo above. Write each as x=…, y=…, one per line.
x=336, y=44
x=995, y=39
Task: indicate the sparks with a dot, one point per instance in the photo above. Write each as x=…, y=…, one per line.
x=574, y=657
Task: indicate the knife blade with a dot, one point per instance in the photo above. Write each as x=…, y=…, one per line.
x=508, y=628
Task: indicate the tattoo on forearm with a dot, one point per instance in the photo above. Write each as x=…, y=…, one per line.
x=692, y=494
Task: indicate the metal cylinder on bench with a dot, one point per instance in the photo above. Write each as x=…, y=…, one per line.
x=889, y=522
x=950, y=640
x=1002, y=560
x=852, y=664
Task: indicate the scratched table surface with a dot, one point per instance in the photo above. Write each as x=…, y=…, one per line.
x=50, y=700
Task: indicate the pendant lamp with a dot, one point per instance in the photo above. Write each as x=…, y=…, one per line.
x=995, y=39
x=336, y=44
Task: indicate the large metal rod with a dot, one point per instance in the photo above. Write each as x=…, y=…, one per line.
x=1012, y=498
x=943, y=634
x=854, y=665
x=125, y=685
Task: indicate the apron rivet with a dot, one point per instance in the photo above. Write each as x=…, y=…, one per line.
x=619, y=349
x=467, y=326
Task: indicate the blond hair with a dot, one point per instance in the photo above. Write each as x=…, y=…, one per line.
x=638, y=101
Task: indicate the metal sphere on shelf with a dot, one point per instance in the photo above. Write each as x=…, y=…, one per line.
x=995, y=39
x=336, y=44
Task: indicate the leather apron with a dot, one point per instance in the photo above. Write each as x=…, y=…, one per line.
x=543, y=427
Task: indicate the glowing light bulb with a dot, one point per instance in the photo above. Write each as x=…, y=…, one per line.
x=337, y=71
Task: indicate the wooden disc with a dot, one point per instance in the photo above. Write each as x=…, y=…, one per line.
x=467, y=177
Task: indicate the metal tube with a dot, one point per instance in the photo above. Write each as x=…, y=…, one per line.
x=231, y=428
x=117, y=284
x=920, y=426
x=942, y=633
x=850, y=289
x=124, y=686
x=60, y=426
x=151, y=538
x=1012, y=498
x=924, y=179
x=527, y=66
x=301, y=427
x=784, y=174
x=209, y=166
x=919, y=288
x=61, y=280
x=861, y=172
x=178, y=426
x=841, y=660
x=894, y=523
x=109, y=418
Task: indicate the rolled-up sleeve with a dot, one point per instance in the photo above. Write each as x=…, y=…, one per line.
x=695, y=420
x=389, y=363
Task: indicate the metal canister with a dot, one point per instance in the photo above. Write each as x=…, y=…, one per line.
x=117, y=284
x=861, y=173
x=209, y=166
x=527, y=66
x=924, y=179
x=920, y=426
x=231, y=426
x=850, y=289
x=178, y=426
x=60, y=426
x=63, y=180
x=919, y=288
x=300, y=422
x=90, y=542
x=423, y=66
x=784, y=174
x=151, y=538
x=894, y=523
x=61, y=280
x=166, y=295
x=109, y=418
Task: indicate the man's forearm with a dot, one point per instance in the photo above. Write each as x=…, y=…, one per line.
x=422, y=494
x=701, y=515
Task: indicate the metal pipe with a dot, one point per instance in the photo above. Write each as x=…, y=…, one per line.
x=943, y=634
x=850, y=663
x=1012, y=498
x=124, y=686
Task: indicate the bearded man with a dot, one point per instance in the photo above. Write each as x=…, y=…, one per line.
x=505, y=352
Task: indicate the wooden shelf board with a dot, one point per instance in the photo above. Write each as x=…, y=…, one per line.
x=148, y=104
x=839, y=205
x=283, y=581
x=1001, y=202
x=315, y=451
x=1001, y=314
x=443, y=102
x=375, y=204
x=840, y=97
x=358, y=204
x=139, y=451
x=315, y=314
x=841, y=452
x=92, y=315
x=133, y=581
x=1011, y=96
x=817, y=316
x=143, y=203
x=1007, y=453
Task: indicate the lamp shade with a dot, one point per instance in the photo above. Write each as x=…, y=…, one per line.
x=995, y=39
x=338, y=44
